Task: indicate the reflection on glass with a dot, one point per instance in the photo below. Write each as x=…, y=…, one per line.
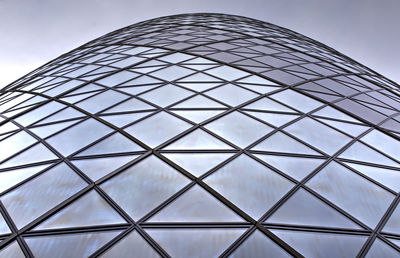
x=199, y=242
x=249, y=185
x=75, y=245
x=42, y=193
x=312, y=244
x=351, y=192
x=142, y=187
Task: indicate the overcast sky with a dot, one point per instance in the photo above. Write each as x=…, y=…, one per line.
x=33, y=32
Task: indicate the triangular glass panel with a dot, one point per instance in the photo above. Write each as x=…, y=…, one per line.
x=295, y=167
x=197, y=163
x=8, y=127
x=254, y=79
x=303, y=208
x=99, y=167
x=331, y=112
x=89, y=210
x=318, y=135
x=12, y=250
x=78, y=136
x=3, y=227
x=206, y=208
x=75, y=245
x=231, y=94
x=381, y=249
x=166, y=95
x=15, y=143
x=360, y=152
x=44, y=191
x=259, y=245
x=131, y=245
x=280, y=142
x=199, y=101
x=124, y=119
x=263, y=185
x=387, y=177
x=144, y=186
x=68, y=113
x=266, y=104
x=199, y=67
x=46, y=130
x=198, y=140
x=172, y=73
x=157, y=129
x=258, y=88
x=13, y=177
x=142, y=80
x=352, y=129
x=238, y=128
x=130, y=105
x=117, y=78
x=197, y=116
x=137, y=89
x=273, y=118
x=227, y=73
x=102, y=101
x=198, y=86
x=328, y=245
x=203, y=242
x=199, y=77
x=76, y=98
x=297, y=100
x=393, y=224
x=338, y=184
x=34, y=154
x=116, y=143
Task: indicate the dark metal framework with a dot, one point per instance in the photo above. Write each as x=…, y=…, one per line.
x=244, y=88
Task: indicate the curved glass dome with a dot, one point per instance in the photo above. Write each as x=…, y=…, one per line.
x=200, y=135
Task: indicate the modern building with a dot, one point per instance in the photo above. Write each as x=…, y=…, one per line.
x=200, y=135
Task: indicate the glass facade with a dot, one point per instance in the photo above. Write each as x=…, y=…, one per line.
x=200, y=135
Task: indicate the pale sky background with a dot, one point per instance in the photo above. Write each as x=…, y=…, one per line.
x=33, y=32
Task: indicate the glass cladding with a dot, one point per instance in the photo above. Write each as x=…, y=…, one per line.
x=200, y=135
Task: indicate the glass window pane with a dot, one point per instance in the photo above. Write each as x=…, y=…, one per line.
x=13, y=177
x=231, y=94
x=172, y=73
x=142, y=187
x=197, y=163
x=381, y=249
x=42, y=193
x=266, y=104
x=75, y=245
x=393, y=224
x=312, y=244
x=383, y=143
x=227, y=73
x=296, y=100
x=89, y=210
x=259, y=245
x=318, y=135
x=101, y=101
x=36, y=153
x=280, y=142
x=351, y=192
x=199, y=101
x=197, y=116
x=239, y=129
x=198, y=140
x=97, y=168
x=39, y=113
x=196, y=205
x=303, y=208
x=166, y=95
x=12, y=250
x=157, y=129
x=204, y=243
x=14, y=144
x=129, y=245
x=244, y=177
x=116, y=143
x=78, y=136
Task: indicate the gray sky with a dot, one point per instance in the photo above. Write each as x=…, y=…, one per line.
x=35, y=31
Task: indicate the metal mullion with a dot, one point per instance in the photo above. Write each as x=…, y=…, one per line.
x=232, y=248
x=365, y=163
x=342, y=231
x=108, y=155
x=392, y=245
x=76, y=230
